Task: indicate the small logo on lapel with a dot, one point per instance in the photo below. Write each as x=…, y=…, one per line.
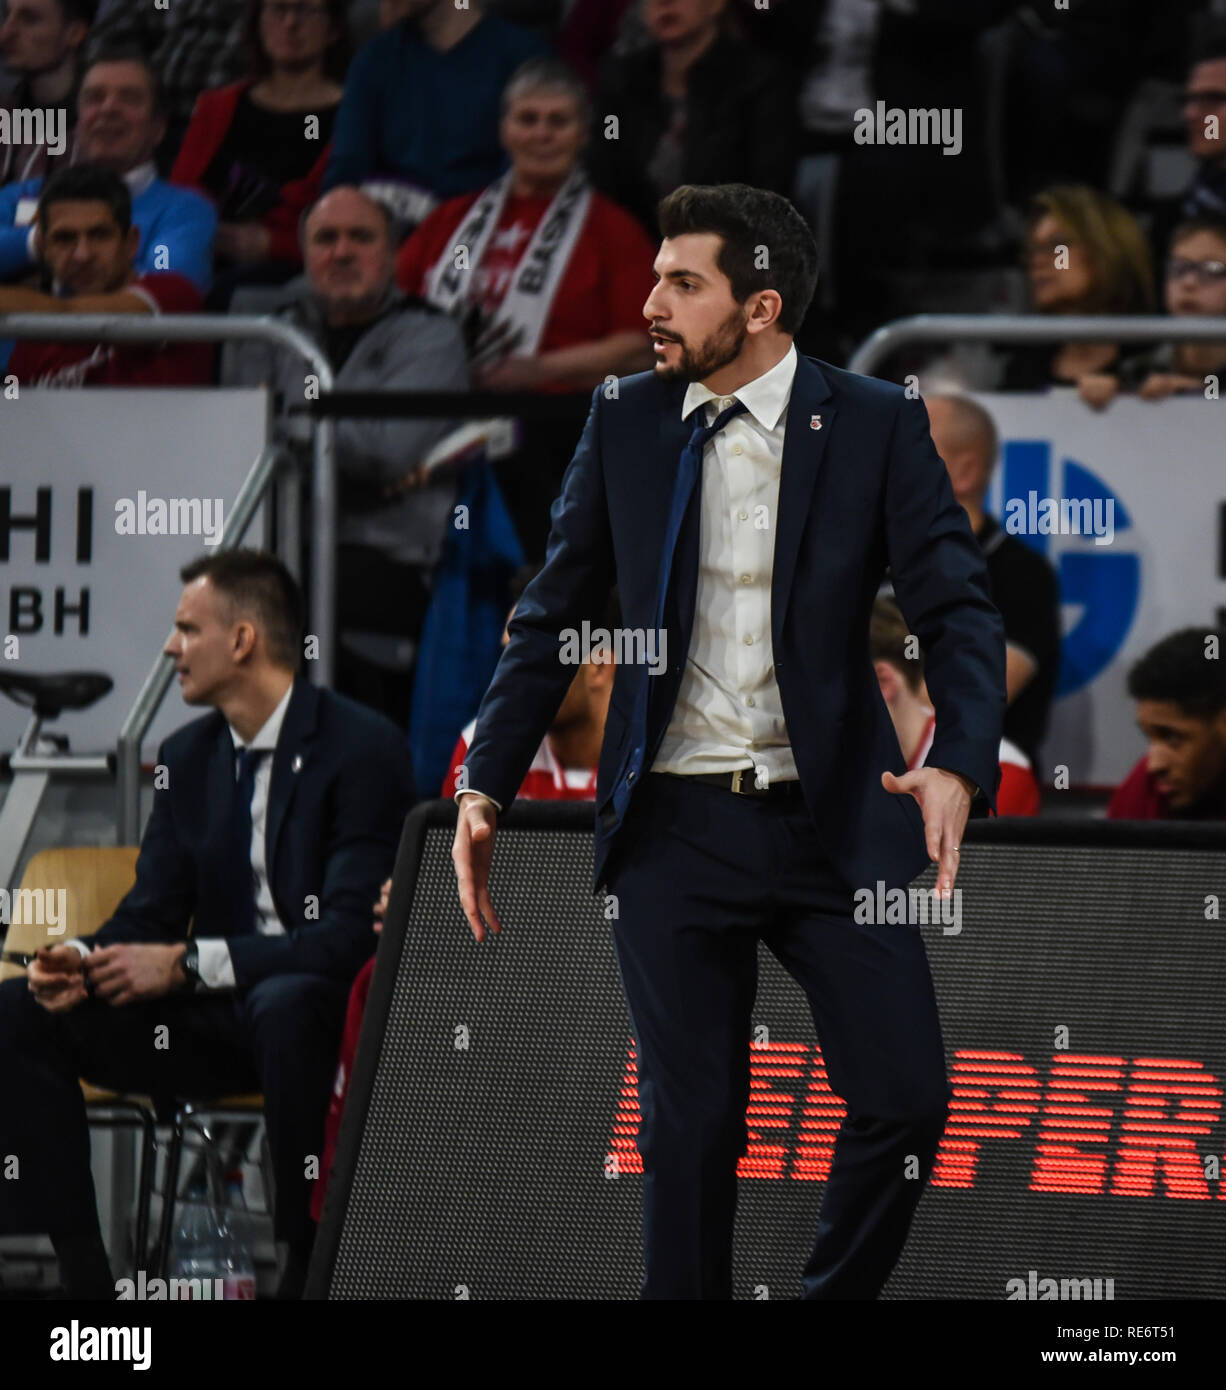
x=815, y=422
x=296, y=765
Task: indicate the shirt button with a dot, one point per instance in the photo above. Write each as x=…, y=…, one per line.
x=743, y=515
x=725, y=401
x=749, y=700
x=744, y=579
x=748, y=640
x=736, y=449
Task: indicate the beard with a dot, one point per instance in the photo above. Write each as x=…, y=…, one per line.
x=716, y=351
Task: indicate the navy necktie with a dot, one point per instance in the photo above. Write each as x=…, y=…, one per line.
x=688, y=472
x=247, y=763
x=687, y=478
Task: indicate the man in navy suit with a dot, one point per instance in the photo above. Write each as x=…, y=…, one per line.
x=275, y=819
x=748, y=501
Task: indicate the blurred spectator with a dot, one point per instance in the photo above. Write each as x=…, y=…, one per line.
x=258, y=148
x=1024, y=586
x=694, y=106
x=1084, y=254
x=1205, y=115
x=1071, y=70
x=552, y=295
x=564, y=769
x=419, y=120
x=1180, y=689
x=121, y=120
x=392, y=518
x=900, y=677
x=195, y=45
x=40, y=41
x=88, y=243
x=1195, y=284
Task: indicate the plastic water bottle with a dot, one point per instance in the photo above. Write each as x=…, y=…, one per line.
x=196, y=1254
x=237, y=1270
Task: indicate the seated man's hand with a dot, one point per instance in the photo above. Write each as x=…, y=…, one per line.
x=381, y=906
x=130, y=971
x=57, y=978
x=414, y=479
x=1157, y=386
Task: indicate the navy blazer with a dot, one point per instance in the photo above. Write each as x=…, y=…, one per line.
x=341, y=785
x=861, y=487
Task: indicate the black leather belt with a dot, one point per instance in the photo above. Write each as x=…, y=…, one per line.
x=742, y=783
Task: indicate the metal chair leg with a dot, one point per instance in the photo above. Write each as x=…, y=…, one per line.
x=174, y=1160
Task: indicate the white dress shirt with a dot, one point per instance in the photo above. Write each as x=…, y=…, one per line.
x=728, y=712
x=215, y=966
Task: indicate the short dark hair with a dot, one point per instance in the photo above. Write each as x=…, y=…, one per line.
x=750, y=220
x=1203, y=222
x=259, y=586
x=1176, y=670
x=129, y=53
x=336, y=55
x=87, y=183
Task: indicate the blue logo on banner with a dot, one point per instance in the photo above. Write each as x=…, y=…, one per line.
x=1103, y=583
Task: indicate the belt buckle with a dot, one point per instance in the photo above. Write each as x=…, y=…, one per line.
x=736, y=779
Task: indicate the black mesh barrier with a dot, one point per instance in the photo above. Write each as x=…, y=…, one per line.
x=488, y=1151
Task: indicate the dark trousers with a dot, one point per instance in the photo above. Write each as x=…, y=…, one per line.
x=281, y=1037
x=705, y=873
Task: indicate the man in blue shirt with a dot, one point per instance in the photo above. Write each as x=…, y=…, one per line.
x=421, y=108
x=120, y=123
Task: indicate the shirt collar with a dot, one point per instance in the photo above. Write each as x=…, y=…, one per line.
x=267, y=736
x=766, y=397
x=140, y=178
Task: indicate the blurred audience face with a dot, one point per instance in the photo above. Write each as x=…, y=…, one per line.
x=1187, y=754
x=967, y=454
x=1052, y=288
x=84, y=249
x=543, y=133
x=1206, y=96
x=213, y=647
x=1196, y=275
x=348, y=255
x=117, y=126
x=295, y=34
x=681, y=21
x=696, y=325
x=34, y=36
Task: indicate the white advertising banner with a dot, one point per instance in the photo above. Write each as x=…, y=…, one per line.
x=1145, y=484
x=104, y=495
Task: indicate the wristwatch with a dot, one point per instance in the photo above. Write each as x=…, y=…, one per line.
x=191, y=967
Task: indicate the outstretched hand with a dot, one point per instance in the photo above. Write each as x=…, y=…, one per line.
x=945, y=800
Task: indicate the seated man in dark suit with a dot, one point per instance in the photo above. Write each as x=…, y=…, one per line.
x=275, y=819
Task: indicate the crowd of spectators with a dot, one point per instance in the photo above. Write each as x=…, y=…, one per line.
x=464, y=198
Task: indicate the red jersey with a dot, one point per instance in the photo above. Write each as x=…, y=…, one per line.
x=547, y=780
x=1019, y=791
x=602, y=290
x=123, y=364
x=1138, y=798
